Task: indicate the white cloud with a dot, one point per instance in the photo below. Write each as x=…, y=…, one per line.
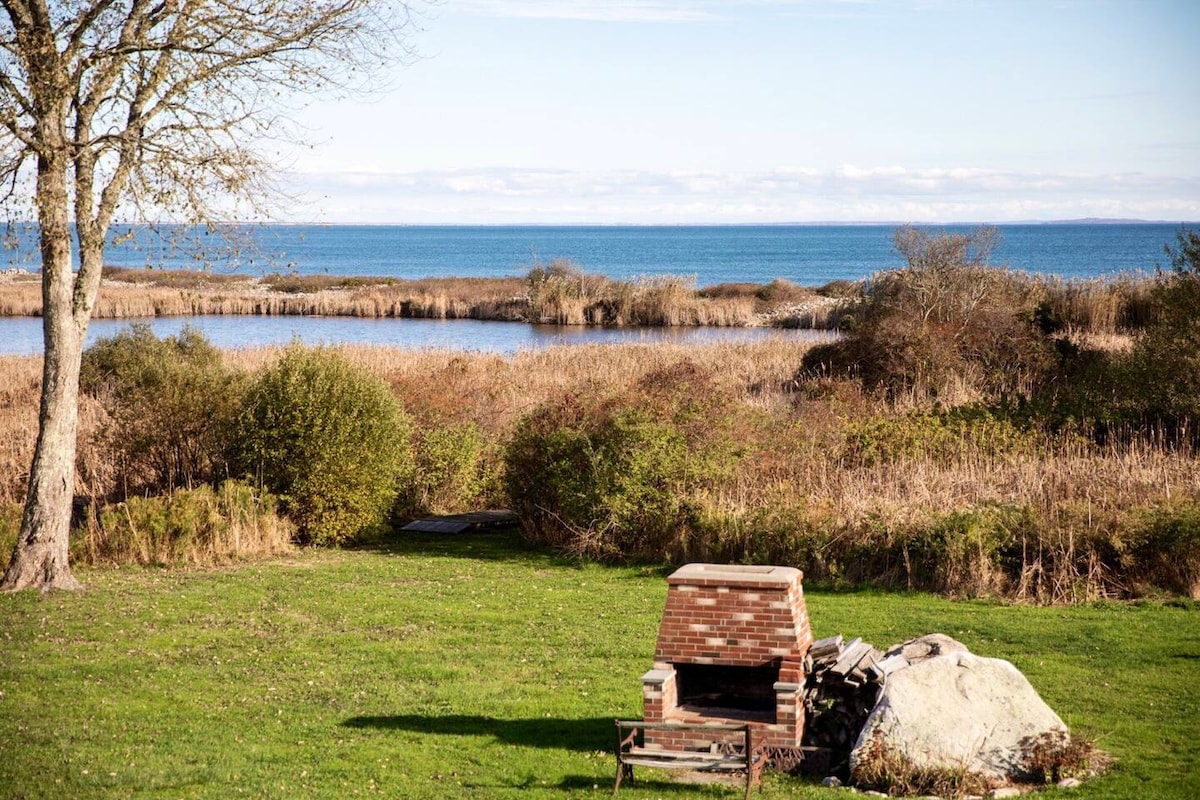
x=850, y=193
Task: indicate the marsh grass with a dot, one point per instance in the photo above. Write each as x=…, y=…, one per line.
x=559, y=293
x=188, y=527
x=468, y=667
x=174, y=278
x=848, y=486
x=562, y=293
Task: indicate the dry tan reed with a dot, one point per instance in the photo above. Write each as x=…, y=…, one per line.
x=798, y=477
x=590, y=300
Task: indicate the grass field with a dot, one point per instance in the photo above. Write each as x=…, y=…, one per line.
x=473, y=667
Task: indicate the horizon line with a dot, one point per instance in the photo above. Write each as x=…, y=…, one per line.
x=1098, y=221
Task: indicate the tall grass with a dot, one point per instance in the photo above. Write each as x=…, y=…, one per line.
x=199, y=526
x=852, y=487
x=558, y=293
x=847, y=485
x=563, y=294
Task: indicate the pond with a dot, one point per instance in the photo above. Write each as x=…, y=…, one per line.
x=23, y=335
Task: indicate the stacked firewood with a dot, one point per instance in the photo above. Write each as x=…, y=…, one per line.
x=841, y=689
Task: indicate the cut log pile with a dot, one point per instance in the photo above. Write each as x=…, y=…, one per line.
x=844, y=679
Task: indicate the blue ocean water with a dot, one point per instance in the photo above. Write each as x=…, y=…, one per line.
x=807, y=254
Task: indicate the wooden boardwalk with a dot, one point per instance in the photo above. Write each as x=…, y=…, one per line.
x=460, y=523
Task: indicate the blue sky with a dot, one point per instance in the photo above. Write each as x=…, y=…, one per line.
x=736, y=111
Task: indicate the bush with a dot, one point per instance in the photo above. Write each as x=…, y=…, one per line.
x=198, y=527
x=330, y=439
x=620, y=477
x=1153, y=388
x=965, y=431
x=944, y=327
x=966, y=552
x=1163, y=369
x=1165, y=552
x=1057, y=755
x=454, y=470
x=169, y=404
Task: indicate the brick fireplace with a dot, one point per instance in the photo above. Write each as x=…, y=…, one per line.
x=730, y=649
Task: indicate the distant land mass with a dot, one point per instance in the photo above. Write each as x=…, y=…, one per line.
x=936, y=224
x=1116, y=221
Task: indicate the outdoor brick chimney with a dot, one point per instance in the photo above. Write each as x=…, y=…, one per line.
x=730, y=649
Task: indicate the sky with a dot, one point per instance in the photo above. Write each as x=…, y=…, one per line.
x=768, y=111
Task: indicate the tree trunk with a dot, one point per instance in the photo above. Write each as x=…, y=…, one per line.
x=40, y=556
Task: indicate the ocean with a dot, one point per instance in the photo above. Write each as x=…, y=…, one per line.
x=810, y=255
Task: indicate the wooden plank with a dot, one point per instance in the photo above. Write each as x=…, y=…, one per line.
x=862, y=670
x=437, y=526
x=459, y=523
x=683, y=763
x=826, y=646
x=850, y=657
x=700, y=755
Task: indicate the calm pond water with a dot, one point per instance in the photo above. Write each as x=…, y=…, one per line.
x=23, y=335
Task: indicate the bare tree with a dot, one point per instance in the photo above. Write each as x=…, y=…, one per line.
x=153, y=109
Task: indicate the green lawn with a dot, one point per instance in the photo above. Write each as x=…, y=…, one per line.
x=471, y=667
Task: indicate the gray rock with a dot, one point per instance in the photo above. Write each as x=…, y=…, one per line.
x=832, y=782
x=955, y=710
x=926, y=647
x=1069, y=783
x=1006, y=791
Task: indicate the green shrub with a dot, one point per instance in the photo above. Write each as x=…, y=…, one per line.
x=620, y=477
x=1165, y=552
x=1163, y=369
x=329, y=439
x=454, y=470
x=966, y=552
x=964, y=431
x=1153, y=388
x=783, y=532
x=169, y=403
x=598, y=480
x=199, y=526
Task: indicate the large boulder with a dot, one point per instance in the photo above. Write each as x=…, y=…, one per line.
x=950, y=709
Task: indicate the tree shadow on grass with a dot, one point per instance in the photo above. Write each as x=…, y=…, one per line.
x=582, y=735
x=578, y=735
x=496, y=544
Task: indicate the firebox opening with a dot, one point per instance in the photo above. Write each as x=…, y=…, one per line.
x=709, y=687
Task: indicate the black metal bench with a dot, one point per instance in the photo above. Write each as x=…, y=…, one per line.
x=747, y=758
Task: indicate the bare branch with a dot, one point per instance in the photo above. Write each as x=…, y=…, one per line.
x=162, y=107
